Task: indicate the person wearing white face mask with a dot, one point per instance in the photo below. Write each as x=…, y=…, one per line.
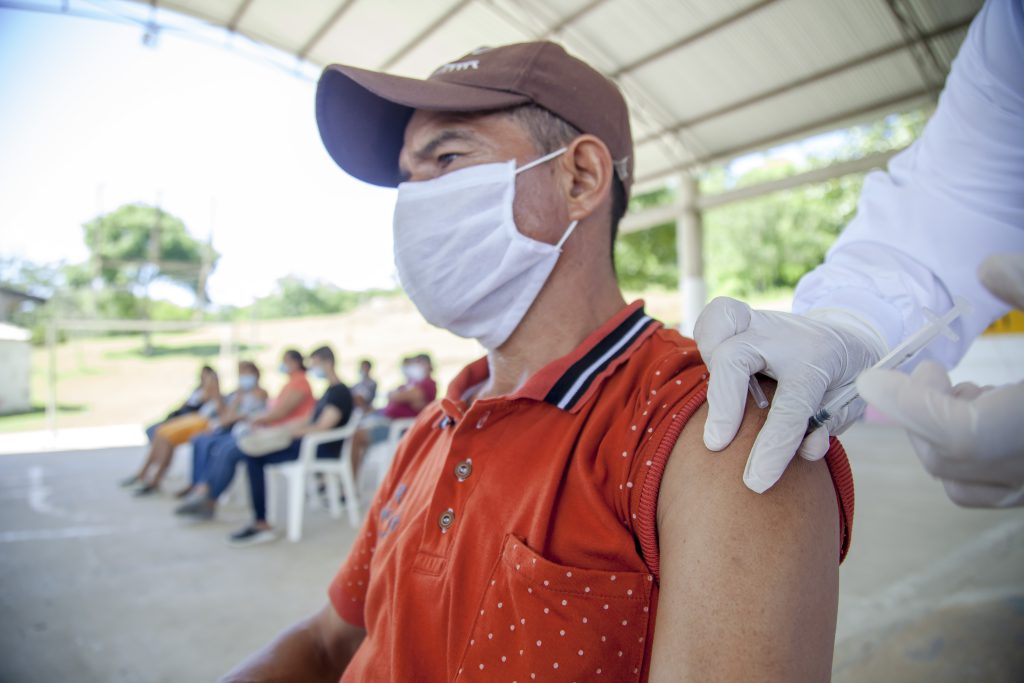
x=404, y=402
x=365, y=390
x=247, y=401
x=559, y=494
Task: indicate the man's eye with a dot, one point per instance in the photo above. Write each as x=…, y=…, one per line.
x=447, y=158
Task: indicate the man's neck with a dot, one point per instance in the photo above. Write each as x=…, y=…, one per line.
x=558, y=322
x=332, y=378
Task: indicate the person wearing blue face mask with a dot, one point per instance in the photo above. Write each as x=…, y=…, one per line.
x=333, y=409
x=248, y=400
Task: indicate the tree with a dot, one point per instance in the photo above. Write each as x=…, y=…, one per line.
x=768, y=242
x=136, y=244
x=296, y=297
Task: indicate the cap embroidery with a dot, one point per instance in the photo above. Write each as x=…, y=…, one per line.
x=469, y=64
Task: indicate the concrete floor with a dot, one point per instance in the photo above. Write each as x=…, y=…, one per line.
x=98, y=586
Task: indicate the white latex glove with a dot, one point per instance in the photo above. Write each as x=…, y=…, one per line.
x=811, y=356
x=969, y=437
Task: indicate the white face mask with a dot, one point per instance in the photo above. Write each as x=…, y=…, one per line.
x=460, y=256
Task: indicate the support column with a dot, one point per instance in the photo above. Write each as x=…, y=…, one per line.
x=51, y=375
x=690, y=252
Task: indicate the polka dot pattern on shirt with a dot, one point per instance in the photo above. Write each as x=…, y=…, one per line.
x=573, y=624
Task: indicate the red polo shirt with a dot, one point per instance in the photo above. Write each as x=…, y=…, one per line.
x=515, y=538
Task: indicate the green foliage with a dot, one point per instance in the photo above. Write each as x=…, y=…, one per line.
x=293, y=297
x=122, y=245
x=769, y=242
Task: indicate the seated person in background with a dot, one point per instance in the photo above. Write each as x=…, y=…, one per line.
x=295, y=401
x=247, y=401
x=332, y=410
x=404, y=402
x=293, y=404
x=535, y=520
x=191, y=404
x=365, y=390
x=178, y=430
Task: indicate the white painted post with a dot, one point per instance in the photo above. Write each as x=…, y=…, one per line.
x=690, y=249
x=51, y=375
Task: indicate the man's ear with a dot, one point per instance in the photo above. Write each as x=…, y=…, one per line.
x=589, y=165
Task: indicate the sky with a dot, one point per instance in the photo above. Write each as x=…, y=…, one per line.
x=217, y=130
x=91, y=118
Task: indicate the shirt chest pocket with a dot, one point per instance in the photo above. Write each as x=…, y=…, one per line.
x=541, y=621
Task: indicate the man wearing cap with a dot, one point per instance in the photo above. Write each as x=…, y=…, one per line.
x=537, y=518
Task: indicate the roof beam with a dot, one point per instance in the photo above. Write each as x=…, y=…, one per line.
x=324, y=28
x=692, y=38
x=236, y=18
x=423, y=35
x=890, y=104
x=805, y=80
x=659, y=215
x=909, y=27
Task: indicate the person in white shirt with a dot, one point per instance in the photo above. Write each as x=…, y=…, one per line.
x=922, y=231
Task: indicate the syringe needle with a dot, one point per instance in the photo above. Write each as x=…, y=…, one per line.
x=757, y=393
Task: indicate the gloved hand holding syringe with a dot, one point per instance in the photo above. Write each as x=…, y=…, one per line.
x=939, y=325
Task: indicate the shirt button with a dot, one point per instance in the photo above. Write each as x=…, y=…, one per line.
x=464, y=469
x=446, y=520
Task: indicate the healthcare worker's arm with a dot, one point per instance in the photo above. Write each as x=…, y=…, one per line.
x=749, y=584
x=970, y=437
x=921, y=231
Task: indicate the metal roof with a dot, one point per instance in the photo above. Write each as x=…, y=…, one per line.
x=706, y=80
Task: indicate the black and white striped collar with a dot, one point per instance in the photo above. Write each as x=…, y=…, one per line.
x=567, y=382
x=601, y=351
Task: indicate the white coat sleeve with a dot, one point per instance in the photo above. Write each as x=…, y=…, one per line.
x=955, y=196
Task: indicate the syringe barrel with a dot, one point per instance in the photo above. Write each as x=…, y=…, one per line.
x=818, y=420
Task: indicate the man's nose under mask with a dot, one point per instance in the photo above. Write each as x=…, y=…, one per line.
x=460, y=256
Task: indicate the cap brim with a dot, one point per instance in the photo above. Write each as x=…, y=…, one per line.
x=362, y=115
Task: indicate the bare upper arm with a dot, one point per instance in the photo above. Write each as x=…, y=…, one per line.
x=749, y=582
x=315, y=650
x=339, y=639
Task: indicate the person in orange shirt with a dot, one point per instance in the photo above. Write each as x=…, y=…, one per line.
x=292, y=407
x=295, y=401
x=556, y=516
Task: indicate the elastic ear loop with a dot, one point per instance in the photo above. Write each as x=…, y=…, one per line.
x=537, y=162
x=572, y=226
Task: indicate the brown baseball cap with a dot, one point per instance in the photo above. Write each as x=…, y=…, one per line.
x=362, y=114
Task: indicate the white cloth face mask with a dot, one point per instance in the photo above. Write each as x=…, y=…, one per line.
x=460, y=256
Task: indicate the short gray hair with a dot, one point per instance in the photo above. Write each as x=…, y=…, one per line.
x=550, y=132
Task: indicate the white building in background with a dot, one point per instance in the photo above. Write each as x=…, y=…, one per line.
x=15, y=369
x=15, y=353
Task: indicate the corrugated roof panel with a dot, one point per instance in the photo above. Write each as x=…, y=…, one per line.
x=947, y=46
x=264, y=20
x=933, y=13
x=216, y=11
x=655, y=156
x=477, y=25
x=789, y=40
x=751, y=57
x=629, y=30
x=891, y=79
x=370, y=32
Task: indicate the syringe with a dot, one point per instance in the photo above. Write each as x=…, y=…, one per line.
x=902, y=353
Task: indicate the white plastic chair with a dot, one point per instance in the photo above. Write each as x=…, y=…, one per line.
x=377, y=459
x=396, y=430
x=298, y=473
